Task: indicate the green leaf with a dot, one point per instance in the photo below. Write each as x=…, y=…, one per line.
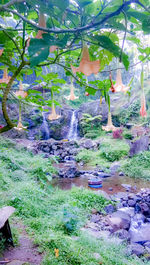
x=38, y=51
x=107, y=44
x=83, y=3
x=136, y=14
x=146, y=25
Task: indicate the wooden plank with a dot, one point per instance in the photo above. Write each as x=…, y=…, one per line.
x=5, y=213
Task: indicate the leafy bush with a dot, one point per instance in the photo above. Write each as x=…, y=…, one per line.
x=138, y=166
x=70, y=221
x=84, y=155
x=113, y=150
x=130, y=113
x=91, y=126
x=127, y=135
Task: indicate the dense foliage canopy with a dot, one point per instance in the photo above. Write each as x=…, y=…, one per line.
x=37, y=33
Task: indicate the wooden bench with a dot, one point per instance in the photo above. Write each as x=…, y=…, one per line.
x=5, y=231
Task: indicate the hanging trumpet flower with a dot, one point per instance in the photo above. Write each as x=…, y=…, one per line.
x=42, y=23
x=22, y=94
x=109, y=126
x=53, y=115
x=86, y=66
x=39, y=35
x=112, y=85
x=119, y=86
x=1, y=51
x=5, y=79
x=143, y=112
x=72, y=95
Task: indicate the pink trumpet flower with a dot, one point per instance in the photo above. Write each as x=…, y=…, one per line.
x=53, y=115
x=20, y=92
x=86, y=66
x=5, y=79
x=119, y=86
x=1, y=51
x=143, y=112
x=109, y=126
x=42, y=23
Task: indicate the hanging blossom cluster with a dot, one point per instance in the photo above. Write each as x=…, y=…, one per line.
x=42, y=23
x=22, y=94
x=86, y=66
x=5, y=79
x=143, y=112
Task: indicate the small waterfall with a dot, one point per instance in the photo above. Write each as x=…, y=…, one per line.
x=45, y=128
x=73, y=130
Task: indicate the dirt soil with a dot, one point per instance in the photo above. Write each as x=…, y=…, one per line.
x=24, y=253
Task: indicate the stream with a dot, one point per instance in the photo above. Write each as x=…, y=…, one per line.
x=110, y=185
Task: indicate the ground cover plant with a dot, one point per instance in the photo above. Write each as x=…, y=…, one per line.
x=53, y=217
x=110, y=150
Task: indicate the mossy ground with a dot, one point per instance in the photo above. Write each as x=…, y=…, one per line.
x=53, y=217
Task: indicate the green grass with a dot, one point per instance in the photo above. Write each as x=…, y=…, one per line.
x=110, y=150
x=138, y=166
x=53, y=217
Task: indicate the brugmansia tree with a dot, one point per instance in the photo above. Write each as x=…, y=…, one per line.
x=39, y=33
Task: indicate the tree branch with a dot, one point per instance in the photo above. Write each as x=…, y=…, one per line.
x=15, y=43
x=79, y=29
x=12, y=2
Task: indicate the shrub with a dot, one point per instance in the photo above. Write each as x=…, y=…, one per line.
x=127, y=135
x=138, y=166
x=70, y=221
x=114, y=149
x=84, y=155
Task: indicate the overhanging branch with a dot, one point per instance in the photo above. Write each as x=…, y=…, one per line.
x=79, y=29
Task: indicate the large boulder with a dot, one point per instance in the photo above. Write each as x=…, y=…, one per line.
x=140, y=145
x=119, y=220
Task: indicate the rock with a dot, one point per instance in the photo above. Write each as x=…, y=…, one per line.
x=131, y=203
x=120, y=195
x=141, y=233
x=147, y=250
x=94, y=211
x=121, y=174
x=128, y=210
x=136, y=249
x=109, y=209
x=95, y=218
x=114, y=168
x=145, y=209
x=147, y=244
x=119, y=220
x=87, y=144
x=139, y=145
x=103, y=175
x=122, y=234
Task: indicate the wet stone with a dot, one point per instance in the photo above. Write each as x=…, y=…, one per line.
x=122, y=234
x=136, y=249
x=109, y=209
x=131, y=203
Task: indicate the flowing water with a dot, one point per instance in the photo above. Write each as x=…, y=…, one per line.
x=45, y=128
x=73, y=130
